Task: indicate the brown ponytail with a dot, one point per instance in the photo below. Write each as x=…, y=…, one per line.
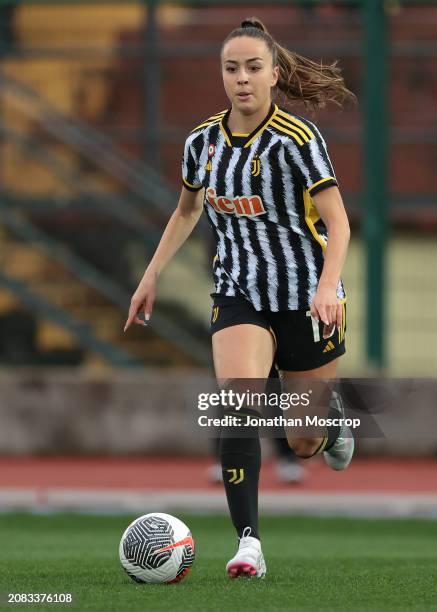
x=299, y=77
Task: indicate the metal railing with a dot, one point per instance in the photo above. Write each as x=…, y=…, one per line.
x=162, y=325
x=149, y=188
x=82, y=331
x=146, y=187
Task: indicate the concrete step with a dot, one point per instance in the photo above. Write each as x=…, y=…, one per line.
x=25, y=262
x=58, y=25
x=51, y=336
x=71, y=294
x=50, y=280
x=8, y=301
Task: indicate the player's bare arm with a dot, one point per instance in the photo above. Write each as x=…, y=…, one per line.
x=182, y=222
x=325, y=305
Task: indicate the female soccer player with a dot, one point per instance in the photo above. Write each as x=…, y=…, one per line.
x=265, y=180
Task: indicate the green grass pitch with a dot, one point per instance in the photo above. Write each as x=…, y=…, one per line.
x=312, y=564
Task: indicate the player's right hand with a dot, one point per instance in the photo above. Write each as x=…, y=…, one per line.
x=142, y=301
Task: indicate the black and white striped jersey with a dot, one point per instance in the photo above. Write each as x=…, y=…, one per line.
x=258, y=188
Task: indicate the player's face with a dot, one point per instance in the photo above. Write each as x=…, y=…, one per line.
x=248, y=74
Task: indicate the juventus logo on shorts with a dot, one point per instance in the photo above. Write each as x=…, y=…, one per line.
x=215, y=312
x=256, y=165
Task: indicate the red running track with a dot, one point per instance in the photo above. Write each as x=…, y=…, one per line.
x=179, y=474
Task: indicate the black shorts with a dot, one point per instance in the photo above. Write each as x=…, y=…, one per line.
x=300, y=344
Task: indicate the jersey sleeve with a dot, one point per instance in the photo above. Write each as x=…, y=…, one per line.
x=190, y=177
x=311, y=163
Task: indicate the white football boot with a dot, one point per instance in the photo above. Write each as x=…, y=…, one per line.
x=289, y=472
x=340, y=455
x=249, y=560
x=214, y=474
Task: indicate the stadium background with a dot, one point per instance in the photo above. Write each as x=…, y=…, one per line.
x=96, y=100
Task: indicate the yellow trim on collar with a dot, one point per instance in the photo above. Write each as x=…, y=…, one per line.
x=249, y=142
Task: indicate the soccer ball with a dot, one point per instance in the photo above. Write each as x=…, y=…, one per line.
x=157, y=548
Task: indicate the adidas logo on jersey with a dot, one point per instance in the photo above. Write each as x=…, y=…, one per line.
x=247, y=206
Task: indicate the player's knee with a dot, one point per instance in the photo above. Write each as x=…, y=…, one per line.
x=304, y=447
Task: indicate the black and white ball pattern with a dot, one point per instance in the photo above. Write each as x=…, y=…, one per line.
x=157, y=548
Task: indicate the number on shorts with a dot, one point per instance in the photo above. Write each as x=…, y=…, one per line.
x=315, y=324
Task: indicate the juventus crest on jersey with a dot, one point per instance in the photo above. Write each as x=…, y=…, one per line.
x=258, y=188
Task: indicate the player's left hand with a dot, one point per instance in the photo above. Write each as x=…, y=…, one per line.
x=327, y=308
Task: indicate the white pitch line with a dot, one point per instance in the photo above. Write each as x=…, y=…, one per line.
x=119, y=500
